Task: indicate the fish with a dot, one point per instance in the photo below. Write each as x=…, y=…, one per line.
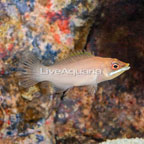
x=78, y=69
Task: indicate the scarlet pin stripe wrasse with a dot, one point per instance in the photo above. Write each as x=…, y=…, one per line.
x=79, y=69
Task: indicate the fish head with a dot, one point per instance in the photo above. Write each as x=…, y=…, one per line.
x=113, y=67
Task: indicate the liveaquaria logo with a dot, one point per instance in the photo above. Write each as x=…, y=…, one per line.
x=66, y=71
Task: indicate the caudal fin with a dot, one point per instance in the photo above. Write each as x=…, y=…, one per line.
x=29, y=70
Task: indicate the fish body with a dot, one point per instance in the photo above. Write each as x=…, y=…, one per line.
x=81, y=69
x=74, y=78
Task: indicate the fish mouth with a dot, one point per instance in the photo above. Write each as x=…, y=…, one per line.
x=127, y=67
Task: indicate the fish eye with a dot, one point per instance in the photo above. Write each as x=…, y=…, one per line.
x=115, y=66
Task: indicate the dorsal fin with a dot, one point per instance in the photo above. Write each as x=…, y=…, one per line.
x=75, y=56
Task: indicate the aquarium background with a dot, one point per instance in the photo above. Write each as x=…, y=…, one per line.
x=51, y=29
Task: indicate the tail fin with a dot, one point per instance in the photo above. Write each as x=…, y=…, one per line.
x=29, y=70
